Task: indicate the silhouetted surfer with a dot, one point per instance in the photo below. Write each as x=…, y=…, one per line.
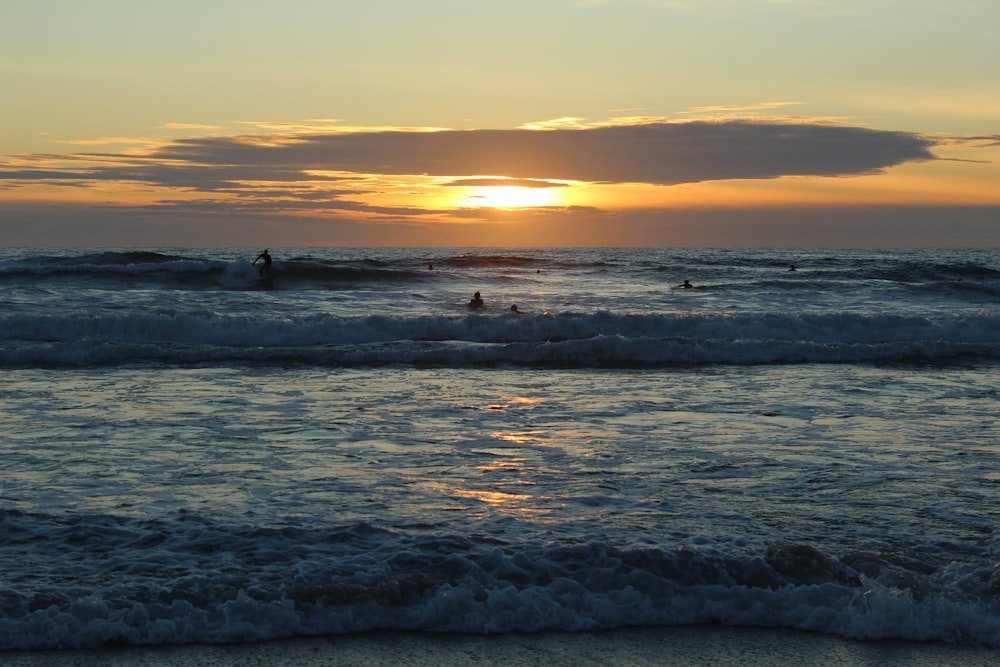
x=477, y=302
x=265, y=269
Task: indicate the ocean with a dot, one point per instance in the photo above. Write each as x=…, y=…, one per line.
x=192, y=454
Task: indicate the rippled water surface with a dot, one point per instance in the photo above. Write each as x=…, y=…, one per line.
x=191, y=456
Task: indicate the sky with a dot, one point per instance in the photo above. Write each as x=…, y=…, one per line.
x=760, y=123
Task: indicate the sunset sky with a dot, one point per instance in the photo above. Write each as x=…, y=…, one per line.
x=500, y=122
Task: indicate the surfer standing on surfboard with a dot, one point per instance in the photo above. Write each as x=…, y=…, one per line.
x=265, y=270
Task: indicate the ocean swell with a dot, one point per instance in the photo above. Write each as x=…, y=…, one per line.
x=564, y=340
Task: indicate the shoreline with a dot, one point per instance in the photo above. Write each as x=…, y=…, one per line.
x=667, y=646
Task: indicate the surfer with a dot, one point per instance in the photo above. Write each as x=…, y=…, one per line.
x=514, y=309
x=265, y=270
x=686, y=284
x=477, y=302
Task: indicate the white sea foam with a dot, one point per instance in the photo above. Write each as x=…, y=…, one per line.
x=383, y=582
x=563, y=339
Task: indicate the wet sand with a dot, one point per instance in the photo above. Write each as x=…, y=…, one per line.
x=635, y=647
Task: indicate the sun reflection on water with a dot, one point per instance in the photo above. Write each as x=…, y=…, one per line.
x=492, y=497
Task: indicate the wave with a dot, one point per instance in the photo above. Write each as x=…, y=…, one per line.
x=570, y=340
x=133, y=269
x=493, y=261
x=726, y=271
x=187, y=579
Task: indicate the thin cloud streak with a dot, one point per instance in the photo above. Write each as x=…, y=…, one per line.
x=502, y=182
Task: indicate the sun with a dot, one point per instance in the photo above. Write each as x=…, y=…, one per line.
x=508, y=196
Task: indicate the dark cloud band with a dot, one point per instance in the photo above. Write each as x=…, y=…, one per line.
x=662, y=153
x=317, y=170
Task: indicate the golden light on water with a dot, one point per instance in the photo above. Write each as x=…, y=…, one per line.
x=492, y=497
x=525, y=438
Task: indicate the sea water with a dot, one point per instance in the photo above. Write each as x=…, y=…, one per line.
x=194, y=454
